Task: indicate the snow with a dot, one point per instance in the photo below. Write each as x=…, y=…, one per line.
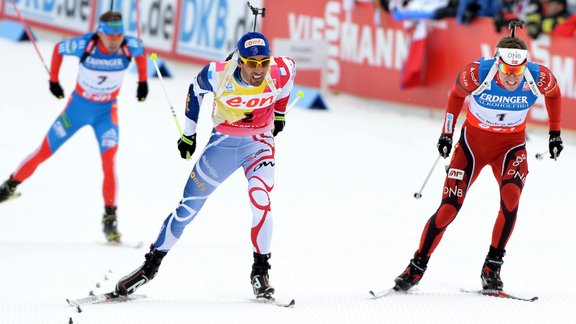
x=346, y=221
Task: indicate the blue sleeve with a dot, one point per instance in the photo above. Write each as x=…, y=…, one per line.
x=74, y=46
x=196, y=91
x=203, y=79
x=135, y=45
x=192, y=104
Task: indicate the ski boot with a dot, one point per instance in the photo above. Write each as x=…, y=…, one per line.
x=110, y=225
x=146, y=272
x=8, y=189
x=259, y=276
x=491, y=270
x=413, y=273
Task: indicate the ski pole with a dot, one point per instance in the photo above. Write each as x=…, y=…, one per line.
x=30, y=35
x=418, y=194
x=540, y=156
x=555, y=154
x=299, y=95
x=154, y=57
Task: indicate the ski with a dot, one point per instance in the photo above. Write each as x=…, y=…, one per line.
x=498, y=293
x=272, y=301
x=107, y=298
x=381, y=294
x=131, y=245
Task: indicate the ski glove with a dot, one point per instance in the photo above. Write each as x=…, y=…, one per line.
x=444, y=145
x=555, y=144
x=56, y=90
x=187, y=145
x=142, y=90
x=279, y=123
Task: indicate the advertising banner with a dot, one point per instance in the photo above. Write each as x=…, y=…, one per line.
x=157, y=21
x=367, y=52
x=209, y=29
x=70, y=16
x=368, y=59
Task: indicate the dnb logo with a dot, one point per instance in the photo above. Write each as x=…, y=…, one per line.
x=455, y=174
x=249, y=102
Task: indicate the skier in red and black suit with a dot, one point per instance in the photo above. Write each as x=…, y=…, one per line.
x=501, y=91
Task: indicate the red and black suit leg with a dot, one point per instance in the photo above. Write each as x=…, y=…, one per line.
x=510, y=170
x=463, y=170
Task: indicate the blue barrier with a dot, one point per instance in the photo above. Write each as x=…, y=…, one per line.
x=312, y=98
x=15, y=31
x=151, y=69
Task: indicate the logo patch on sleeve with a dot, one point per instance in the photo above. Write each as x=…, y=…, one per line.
x=455, y=174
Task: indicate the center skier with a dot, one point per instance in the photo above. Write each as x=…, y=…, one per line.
x=250, y=96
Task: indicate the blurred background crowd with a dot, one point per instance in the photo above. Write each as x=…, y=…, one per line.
x=541, y=16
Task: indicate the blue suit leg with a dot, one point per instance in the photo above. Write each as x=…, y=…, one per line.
x=216, y=164
x=74, y=117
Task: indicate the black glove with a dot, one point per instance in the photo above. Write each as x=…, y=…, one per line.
x=142, y=90
x=555, y=143
x=187, y=145
x=56, y=90
x=279, y=123
x=444, y=145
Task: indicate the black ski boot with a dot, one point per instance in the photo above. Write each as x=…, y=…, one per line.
x=110, y=224
x=8, y=189
x=491, y=270
x=413, y=273
x=259, y=276
x=146, y=272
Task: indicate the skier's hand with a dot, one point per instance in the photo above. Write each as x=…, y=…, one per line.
x=142, y=91
x=555, y=144
x=56, y=90
x=187, y=145
x=444, y=145
x=279, y=123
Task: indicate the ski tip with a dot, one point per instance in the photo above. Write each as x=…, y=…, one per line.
x=287, y=305
x=274, y=301
x=383, y=293
x=499, y=293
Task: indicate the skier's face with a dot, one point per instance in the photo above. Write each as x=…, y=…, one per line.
x=511, y=76
x=510, y=81
x=111, y=42
x=253, y=69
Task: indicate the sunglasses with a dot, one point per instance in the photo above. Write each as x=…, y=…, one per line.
x=512, y=69
x=251, y=63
